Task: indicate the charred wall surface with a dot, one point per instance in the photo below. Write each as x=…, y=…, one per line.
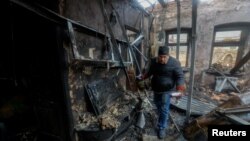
x=96, y=49
x=40, y=69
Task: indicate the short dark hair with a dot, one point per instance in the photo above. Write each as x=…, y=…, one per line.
x=163, y=50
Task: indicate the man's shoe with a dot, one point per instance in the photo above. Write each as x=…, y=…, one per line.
x=161, y=134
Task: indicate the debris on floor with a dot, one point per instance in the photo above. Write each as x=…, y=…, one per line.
x=118, y=124
x=197, y=128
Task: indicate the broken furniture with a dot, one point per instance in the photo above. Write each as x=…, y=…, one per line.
x=226, y=79
x=223, y=83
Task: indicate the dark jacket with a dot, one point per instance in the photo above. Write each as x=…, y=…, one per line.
x=165, y=76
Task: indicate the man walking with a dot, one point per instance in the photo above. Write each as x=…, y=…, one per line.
x=167, y=76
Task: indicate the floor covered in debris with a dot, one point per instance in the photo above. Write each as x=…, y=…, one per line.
x=133, y=117
x=140, y=128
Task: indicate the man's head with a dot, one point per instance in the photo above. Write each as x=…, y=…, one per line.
x=163, y=54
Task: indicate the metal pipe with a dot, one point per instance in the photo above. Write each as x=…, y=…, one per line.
x=138, y=39
x=112, y=51
x=144, y=57
x=178, y=28
x=191, y=79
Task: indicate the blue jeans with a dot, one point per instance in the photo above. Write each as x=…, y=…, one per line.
x=162, y=102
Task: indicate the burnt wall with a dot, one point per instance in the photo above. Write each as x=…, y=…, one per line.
x=95, y=48
x=90, y=14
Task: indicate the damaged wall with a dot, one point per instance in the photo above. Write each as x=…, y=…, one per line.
x=165, y=19
x=210, y=14
x=95, y=48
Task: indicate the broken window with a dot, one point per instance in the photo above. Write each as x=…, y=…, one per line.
x=228, y=46
x=184, y=45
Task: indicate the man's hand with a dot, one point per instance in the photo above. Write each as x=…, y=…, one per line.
x=181, y=89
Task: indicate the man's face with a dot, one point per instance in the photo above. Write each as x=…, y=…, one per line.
x=163, y=59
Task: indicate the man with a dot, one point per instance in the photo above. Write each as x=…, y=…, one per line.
x=167, y=76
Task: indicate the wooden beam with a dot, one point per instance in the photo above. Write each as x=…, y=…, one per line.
x=240, y=63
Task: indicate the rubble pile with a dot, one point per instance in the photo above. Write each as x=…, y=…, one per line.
x=112, y=117
x=208, y=95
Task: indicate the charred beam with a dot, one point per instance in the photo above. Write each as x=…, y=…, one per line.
x=113, y=40
x=240, y=63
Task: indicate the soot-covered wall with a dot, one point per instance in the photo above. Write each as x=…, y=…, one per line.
x=94, y=48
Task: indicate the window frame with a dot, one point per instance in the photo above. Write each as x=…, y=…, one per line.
x=243, y=27
x=188, y=43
